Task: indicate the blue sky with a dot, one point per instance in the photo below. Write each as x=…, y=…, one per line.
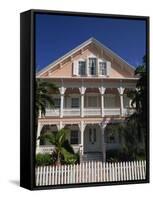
x=56, y=35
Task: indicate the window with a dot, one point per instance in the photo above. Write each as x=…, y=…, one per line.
x=82, y=67
x=92, y=66
x=74, y=137
x=75, y=103
x=57, y=102
x=92, y=101
x=102, y=68
x=111, y=101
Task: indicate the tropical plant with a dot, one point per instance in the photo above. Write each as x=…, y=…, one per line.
x=63, y=151
x=137, y=122
x=43, y=159
x=43, y=95
x=139, y=96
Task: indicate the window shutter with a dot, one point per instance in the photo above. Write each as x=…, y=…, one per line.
x=108, y=68
x=75, y=68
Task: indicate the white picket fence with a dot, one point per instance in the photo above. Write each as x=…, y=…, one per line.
x=90, y=172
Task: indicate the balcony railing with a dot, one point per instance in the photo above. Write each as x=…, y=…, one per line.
x=71, y=111
x=128, y=111
x=111, y=111
x=88, y=112
x=92, y=111
x=52, y=112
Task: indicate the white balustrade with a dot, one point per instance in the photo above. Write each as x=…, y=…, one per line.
x=111, y=111
x=50, y=148
x=92, y=111
x=52, y=112
x=71, y=111
x=128, y=111
x=44, y=149
x=88, y=112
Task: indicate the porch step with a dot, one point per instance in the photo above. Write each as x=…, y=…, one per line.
x=92, y=156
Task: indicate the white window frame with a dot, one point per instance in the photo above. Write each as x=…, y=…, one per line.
x=92, y=57
x=81, y=60
x=101, y=70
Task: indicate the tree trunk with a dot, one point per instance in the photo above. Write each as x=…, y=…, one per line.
x=58, y=158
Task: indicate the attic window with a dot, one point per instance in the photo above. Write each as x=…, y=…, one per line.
x=92, y=66
x=82, y=67
x=102, y=68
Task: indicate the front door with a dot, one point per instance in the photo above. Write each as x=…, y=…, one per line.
x=91, y=140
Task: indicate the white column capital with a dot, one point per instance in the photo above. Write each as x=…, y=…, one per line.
x=102, y=125
x=62, y=90
x=82, y=125
x=102, y=90
x=60, y=125
x=121, y=90
x=82, y=90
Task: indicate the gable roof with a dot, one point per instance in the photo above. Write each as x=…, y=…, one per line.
x=79, y=47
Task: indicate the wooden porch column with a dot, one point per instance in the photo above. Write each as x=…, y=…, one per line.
x=102, y=91
x=82, y=92
x=103, y=141
x=62, y=91
x=82, y=127
x=121, y=92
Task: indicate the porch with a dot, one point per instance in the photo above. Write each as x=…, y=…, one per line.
x=91, y=141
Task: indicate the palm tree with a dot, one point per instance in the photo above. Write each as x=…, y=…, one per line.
x=43, y=96
x=58, y=140
x=139, y=96
x=137, y=122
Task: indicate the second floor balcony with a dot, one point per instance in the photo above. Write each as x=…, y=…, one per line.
x=88, y=112
x=90, y=104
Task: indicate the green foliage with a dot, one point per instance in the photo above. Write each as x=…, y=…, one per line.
x=64, y=153
x=121, y=156
x=68, y=147
x=131, y=140
x=43, y=159
x=139, y=96
x=43, y=96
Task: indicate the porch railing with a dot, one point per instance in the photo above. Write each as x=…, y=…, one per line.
x=92, y=111
x=50, y=148
x=71, y=111
x=52, y=112
x=44, y=149
x=111, y=111
x=88, y=112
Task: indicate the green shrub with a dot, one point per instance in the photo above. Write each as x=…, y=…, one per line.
x=68, y=147
x=43, y=159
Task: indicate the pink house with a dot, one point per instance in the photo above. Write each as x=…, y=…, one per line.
x=93, y=82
